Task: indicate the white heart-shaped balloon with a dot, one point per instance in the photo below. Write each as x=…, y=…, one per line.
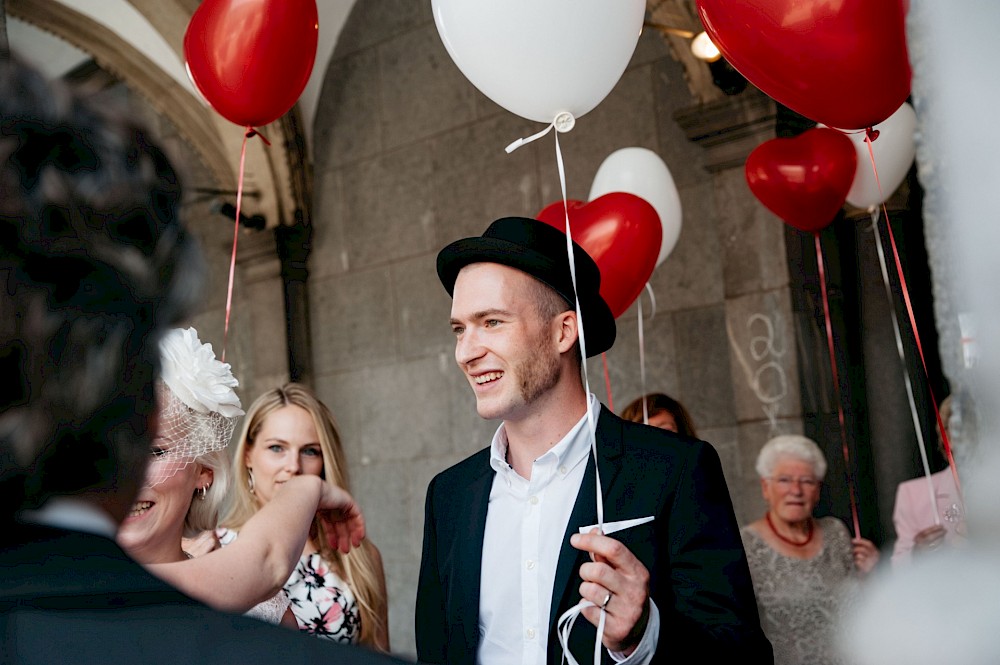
x=540, y=58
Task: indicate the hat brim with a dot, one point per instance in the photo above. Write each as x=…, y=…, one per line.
x=598, y=322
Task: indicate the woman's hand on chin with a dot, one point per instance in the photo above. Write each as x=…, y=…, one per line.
x=341, y=515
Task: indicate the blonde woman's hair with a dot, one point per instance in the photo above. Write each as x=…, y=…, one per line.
x=360, y=566
x=203, y=515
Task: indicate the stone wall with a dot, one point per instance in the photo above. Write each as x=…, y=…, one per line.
x=409, y=156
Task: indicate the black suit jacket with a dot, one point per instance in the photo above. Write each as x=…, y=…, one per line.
x=70, y=597
x=699, y=577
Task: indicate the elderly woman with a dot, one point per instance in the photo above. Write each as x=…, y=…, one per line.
x=804, y=569
x=186, y=483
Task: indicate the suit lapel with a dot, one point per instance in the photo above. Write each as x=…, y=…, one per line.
x=609, y=451
x=469, y=553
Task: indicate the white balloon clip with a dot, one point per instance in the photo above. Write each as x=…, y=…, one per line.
x=564, y=122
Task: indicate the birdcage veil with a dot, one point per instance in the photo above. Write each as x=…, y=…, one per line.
x=198, y=407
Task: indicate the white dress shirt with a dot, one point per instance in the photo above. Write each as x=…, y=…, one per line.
x=525, y=525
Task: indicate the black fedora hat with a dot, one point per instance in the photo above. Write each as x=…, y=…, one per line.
x=538, y=249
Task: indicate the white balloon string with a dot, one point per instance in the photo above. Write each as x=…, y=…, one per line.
x=592, y=426
x=874, y=211
x=534, y=137
x=652, y=302
x=642, y=366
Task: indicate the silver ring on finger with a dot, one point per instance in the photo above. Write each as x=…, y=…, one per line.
x=607, y=599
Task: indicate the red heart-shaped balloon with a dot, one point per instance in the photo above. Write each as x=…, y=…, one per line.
x=622, y=233
x=251, y=59
x=842, y=63
x=805, y=179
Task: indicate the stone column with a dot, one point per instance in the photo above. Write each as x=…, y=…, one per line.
x=759, y=315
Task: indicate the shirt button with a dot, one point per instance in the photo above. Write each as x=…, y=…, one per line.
x=534, y=500
x=562, y=470
x=530, y=633
x=530, y=564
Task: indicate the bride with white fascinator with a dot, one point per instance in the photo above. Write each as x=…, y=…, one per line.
x=187, y=482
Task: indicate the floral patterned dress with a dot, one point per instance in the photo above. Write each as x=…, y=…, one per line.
x=322, y=602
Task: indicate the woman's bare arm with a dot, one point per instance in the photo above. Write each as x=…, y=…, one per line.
x=257, y=564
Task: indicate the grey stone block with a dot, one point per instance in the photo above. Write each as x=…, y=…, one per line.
x=329, y=254
x=423, y=92
x=374, y=21
x=388, y=208
x=753, y=240
x=691, y=276
x=624, y=366
x=352, y=320
x=475, y=182
x=346, y=126
x=423, y=308
x=762, y=351
x=403, y=412
x=685, y=158
x=704, y=377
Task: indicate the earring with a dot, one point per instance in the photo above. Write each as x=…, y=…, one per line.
x=202, y=491
x=250, y=479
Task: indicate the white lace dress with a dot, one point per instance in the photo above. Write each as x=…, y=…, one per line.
x=272, y=609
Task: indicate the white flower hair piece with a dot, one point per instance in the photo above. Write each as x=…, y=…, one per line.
x=196, y=377
x=198, y=406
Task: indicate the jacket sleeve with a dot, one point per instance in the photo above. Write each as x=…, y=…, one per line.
x=431, y=631
x=706, y=598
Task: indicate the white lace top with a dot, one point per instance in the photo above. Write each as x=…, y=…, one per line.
x=272, y=609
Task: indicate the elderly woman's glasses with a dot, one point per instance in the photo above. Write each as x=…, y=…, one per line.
x=787, y=482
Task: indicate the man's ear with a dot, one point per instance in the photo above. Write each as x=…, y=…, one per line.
x=566, y=329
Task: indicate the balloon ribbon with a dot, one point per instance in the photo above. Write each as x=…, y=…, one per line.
x=562, y=123
x=913, y=326
x=250, y=133
x=836, y=385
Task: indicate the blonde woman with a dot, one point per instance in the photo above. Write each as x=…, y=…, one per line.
x=288, y=433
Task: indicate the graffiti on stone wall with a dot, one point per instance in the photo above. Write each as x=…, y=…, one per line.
x=760, y=361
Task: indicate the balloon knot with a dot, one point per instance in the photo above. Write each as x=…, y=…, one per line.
x=871, y=133
x=251, y=132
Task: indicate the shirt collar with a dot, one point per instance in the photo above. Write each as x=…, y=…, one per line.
x=65, y=512
x=570, y=451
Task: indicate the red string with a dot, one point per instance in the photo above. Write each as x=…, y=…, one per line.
x=250, y=133
x=607, y=382
x=913, y=326
x=836, y=385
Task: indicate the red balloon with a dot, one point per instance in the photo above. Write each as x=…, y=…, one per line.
x=843, y=64
x=251, y=59
x=622, y=233
x=803, y=180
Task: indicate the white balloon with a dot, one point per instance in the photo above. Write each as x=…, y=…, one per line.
x=642, y=172
x=539, y=58
x=893, y=150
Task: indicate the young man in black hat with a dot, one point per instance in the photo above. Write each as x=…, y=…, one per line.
x=508, y=546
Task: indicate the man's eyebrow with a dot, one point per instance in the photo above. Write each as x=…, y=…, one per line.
x=476, y=316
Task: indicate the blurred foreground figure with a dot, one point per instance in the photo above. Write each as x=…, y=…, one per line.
x=95, y=265
x=943, y=607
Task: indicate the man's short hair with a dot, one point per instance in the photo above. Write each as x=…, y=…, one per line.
x=94, y=264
